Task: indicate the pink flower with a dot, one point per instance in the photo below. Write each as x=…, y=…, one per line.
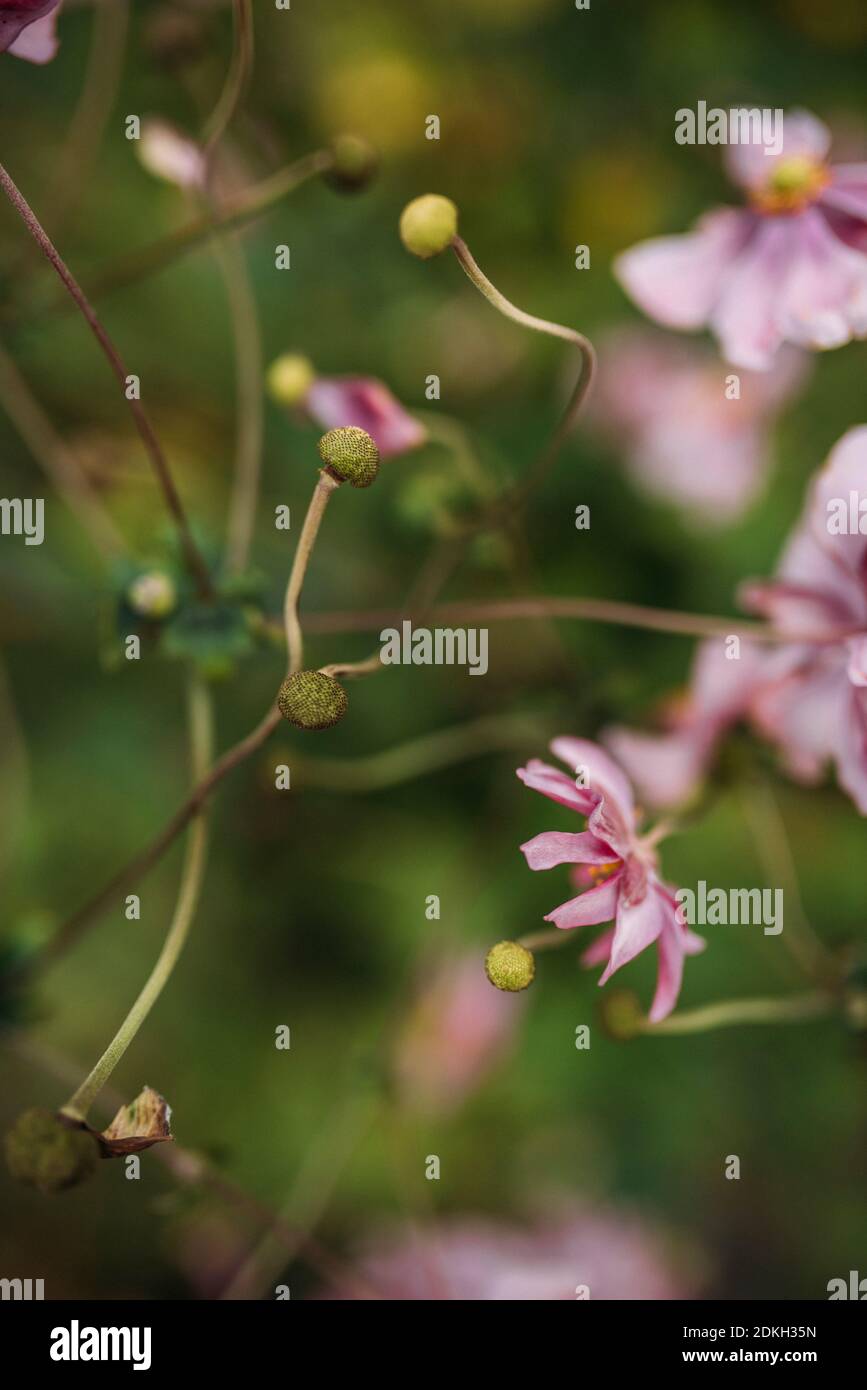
x=621, y=865
x=611, y=1253
x=789, y=267
x=811, y=699
x=459, y=1030
x=333, y=401
x=808, y=696
x=668, y=407
x=27, y=29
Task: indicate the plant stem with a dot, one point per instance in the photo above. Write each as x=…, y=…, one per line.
x=201, y=741
x=194, y=559
x=139, y=264
x=589, y=609
x=248, y=373
x=587, y=371
x=237, y=77
x=793, y=1009
x=326, y=485
x=418, y=756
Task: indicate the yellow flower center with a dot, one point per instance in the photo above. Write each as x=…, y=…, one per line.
x=793, y=185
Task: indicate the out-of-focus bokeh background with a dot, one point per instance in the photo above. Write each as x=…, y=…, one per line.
x=556, y=129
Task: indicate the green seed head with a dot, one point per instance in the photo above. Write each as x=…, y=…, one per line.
x=152, y=595
x=510, y=966
x=621, y=1014
x=427, y=225
x=42, y=1151
x=354, y=163
x=312, y=700
x=289, y=378
x=351, y=454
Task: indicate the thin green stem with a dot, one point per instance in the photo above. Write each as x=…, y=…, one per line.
x=253, y=202
x=418, y=756
x=587, y=371
x=793, y=1009
x=238, y=76
x=248, y=374
x=201, y=741
x=326, y=485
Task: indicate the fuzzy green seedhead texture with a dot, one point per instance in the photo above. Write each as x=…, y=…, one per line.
x=354, y=163
x=43, y=1152
x=427, y=225
x=312, y=700
x=351, y=454
x=510, y=966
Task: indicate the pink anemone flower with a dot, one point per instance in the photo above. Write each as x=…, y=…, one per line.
x=789, y=267
x=619, y=863
x=806, y=695
x=666, y=406
x=334, y=401
x=27, y=29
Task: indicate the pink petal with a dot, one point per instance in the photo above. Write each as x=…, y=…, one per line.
x=851, y=750
x=553, y=783
x=613, y=819
x=804, y=137
x=596, y=905
x=677, y=279
x=669, y=973
x=336, y=401
x=745, y=317
x=856, y=668
x=667, y=769
x=599, y=951
x=824, y=300
x=638, y=925
x=844, y=473
x=27, y=29
x=555, y=847
x=847, y=191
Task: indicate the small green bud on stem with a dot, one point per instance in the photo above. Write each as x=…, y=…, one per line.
x=289, y=378
x=312, y=700
x=354, y=163
x=510, y=966
x=351, y=454
x=428, y=225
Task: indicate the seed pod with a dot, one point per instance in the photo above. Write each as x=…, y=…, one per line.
x=510, y=966
x=312, y=700
x=46, y=1151
x=351, y=454
x=428, y=224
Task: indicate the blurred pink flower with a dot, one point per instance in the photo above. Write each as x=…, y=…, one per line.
x=790, y=267
x=812, y=697
x=621, y=865
x=611, y=1254
x=27, y=29
x=808, y=696
x=668, y=407
x=459, y=1030
x=333, y=401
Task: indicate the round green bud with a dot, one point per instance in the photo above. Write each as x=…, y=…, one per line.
x=312, y=700
x=152, y=595
x=510, y=966
x=621, y=1014
x=351, y=454
x=45, y=1152
x=428, y=224
x=354, y=162
x=289, y=378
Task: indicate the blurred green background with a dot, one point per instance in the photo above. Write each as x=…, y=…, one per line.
x=556, y=130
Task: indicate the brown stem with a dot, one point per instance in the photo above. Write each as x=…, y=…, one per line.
x=590, y=609
x=194, y=559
